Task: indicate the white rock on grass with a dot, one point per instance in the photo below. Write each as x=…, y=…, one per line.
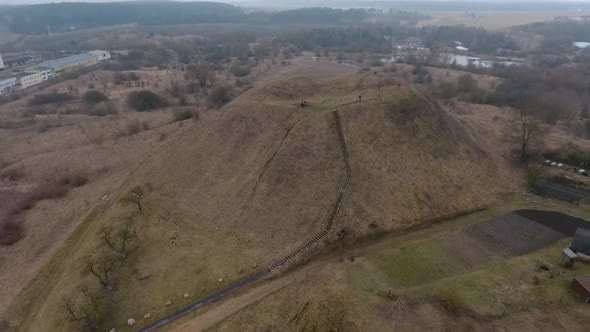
x=143, y=276
x=113, y=330
x=220, y=280
x=186, y=295
x=131, y=322
x=147, y=316
x=168, y=303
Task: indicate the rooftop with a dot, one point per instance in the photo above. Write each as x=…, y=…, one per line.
x=66, y=61
x=6, y=74
x=584, y=280
x=97, y=52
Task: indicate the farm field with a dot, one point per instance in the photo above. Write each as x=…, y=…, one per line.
x=493, y=20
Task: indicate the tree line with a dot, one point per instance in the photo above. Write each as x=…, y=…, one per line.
x=36, y=19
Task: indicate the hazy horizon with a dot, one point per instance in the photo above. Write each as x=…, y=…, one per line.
x=30, y=2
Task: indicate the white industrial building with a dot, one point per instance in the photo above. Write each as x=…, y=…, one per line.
x=33, y=77
x=8, y=83
x=102, y=56
x=71, y=62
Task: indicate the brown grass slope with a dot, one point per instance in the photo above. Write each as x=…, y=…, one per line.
x=413, y=162
x=270, y=170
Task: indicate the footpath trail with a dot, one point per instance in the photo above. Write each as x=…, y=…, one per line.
x=273, y=285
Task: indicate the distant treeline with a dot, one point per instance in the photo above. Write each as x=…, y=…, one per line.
x=375, y=37
x=35, y=19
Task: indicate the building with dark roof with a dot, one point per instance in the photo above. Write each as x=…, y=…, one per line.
x=581, y=285
x=581, y=242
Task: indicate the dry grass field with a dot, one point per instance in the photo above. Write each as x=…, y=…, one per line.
x=493, y=20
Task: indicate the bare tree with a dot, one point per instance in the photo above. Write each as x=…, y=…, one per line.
x=201, y=73
x=529, y=126
x=119, y=241
x=135, y=196
x=84, y=309
x=103, y=270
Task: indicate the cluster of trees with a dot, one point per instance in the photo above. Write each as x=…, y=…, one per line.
x=476, y=39
x=90, y=304
x=37, y=19
x=348, y=39
x=465, y=88
x=553, y=95
x=59, y=16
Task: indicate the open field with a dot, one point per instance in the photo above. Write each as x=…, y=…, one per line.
x=493, y=20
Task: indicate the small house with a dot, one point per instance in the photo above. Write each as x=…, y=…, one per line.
x=581, y=285
x=568, y=257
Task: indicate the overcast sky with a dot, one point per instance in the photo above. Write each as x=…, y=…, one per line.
x=23, y=2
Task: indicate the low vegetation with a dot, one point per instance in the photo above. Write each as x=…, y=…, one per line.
x=184, y=114
x=134, y=127
x=145, y=100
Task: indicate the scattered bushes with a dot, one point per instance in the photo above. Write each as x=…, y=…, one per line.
x=50, y=98
x=119, y=78
x=145, y=100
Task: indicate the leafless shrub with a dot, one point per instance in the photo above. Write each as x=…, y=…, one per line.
x=135, y=196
